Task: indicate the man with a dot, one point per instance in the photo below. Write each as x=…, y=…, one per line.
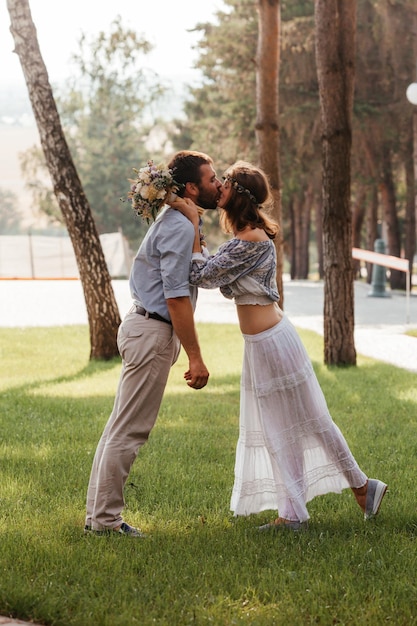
x=149, y=342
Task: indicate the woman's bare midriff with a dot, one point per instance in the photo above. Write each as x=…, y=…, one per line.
x=255, y=318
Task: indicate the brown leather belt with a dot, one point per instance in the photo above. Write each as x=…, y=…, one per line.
x=153, y=316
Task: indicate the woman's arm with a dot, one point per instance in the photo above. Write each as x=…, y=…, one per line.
x=190, y=210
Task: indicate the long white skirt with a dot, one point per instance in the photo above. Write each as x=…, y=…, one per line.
x=289, y=449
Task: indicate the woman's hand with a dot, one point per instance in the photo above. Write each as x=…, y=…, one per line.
x=192, y=212
x=187, y=208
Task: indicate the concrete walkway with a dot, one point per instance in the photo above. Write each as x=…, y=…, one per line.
x=380, y=323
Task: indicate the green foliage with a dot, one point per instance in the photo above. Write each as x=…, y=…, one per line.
x=103, y=112
x=198, y=565
x=301, y=8
x=35, y=172
x=9, y=214
x=220, y=113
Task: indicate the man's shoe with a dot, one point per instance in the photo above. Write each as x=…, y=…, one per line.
x=130, y=531
x=123, y=529
x=283, y=524
x=374, y=494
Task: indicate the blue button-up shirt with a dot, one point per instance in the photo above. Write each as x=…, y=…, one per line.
x=161, y=267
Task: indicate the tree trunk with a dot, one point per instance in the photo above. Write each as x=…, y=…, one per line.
x=305, y=232
x=296, y=213
x=318, y=214
x=300, y=210
x=292, y=210
x=335, y=56
x=397, y=278
x=358, y=216
x=267, y=112
x=102, y=311
x=371, y=228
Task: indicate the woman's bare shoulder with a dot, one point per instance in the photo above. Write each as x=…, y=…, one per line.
x=253, y=234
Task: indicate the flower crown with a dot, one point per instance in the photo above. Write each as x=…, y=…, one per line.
x=151, y=189
x=240, y=189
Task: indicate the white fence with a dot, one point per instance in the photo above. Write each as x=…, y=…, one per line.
x=36, y=256
x=392, y=262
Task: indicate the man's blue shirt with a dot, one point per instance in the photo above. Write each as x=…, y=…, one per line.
x=161, y=267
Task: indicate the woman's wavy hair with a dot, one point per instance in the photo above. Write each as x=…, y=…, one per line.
x=249, y=201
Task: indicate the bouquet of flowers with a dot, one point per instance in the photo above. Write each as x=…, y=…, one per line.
x=151, y=189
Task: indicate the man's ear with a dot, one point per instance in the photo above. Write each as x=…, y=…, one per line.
x=191, y=190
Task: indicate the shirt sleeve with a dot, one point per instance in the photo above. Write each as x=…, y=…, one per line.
x=175, y=260
x=234, y=259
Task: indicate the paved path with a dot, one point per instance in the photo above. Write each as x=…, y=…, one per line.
x=380, y=323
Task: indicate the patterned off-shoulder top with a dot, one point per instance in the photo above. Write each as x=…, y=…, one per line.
x=243, y=270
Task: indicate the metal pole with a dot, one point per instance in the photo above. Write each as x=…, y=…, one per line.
x=410, y=277
x=407, y=295
x=32, y=265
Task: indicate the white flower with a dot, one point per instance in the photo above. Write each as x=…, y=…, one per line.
x=144, y=177
x=149, y=191
x=144, y=192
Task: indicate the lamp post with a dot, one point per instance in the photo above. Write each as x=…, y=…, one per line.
x=411, y=94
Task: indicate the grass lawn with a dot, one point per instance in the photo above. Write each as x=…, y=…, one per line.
x=198, y=565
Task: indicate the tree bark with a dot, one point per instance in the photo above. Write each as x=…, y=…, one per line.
x=388, y=196
x=358, y=216
x=102, y=310
x=371, y=228
x=306, y=227
x=267, y=112
x=318, y=220
x=300, y=212
x=335, y=55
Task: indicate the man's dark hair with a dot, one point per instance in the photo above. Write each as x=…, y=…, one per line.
x=185, y=166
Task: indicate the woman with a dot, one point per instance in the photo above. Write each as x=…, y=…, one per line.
x=289, y=449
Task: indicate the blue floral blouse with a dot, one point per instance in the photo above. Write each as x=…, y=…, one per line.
x=243, y=270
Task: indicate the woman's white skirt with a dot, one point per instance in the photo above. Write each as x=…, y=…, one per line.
x=289, y=449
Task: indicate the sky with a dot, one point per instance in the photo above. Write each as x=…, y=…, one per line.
x=59, y=24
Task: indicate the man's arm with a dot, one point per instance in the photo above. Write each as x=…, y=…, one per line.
x=182, y=317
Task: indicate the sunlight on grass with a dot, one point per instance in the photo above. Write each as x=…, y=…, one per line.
x=103, y=383
x=42, y=452
x=408, y=395
x=14, y=488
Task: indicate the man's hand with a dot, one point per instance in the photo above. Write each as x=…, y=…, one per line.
x=197, y=376
x=182, y=318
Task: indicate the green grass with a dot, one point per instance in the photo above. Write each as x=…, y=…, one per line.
x=198, y=565
x=412, y=332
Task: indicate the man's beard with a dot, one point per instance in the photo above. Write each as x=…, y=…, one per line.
x=207, y=201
